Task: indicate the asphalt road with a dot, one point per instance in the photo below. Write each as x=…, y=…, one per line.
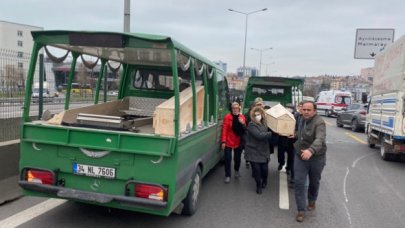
x=358, y=189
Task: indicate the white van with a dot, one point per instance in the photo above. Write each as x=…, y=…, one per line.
x=332, y=101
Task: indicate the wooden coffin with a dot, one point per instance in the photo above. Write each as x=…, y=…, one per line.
x=280, y=120
x=163, y=117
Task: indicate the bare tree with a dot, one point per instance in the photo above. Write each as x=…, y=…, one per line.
x=13, y=78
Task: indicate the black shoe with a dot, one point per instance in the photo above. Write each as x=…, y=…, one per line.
x=279, y=167
x=259, y=190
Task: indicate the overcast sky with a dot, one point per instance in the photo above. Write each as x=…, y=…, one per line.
x=308, y=37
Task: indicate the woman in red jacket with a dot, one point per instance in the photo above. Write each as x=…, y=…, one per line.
x=232, y=130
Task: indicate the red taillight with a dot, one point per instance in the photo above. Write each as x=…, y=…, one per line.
x=363, y=113
x=40, y=176
x=399, y=148
x=150, y=192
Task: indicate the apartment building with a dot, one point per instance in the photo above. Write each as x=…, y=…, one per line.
x=15, y=49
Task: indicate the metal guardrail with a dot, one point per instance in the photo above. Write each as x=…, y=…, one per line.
x=13, y=73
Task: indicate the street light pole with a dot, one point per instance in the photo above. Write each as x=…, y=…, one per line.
x=261, y=52
x=246, y=24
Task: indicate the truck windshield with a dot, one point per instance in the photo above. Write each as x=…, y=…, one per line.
x=267, y=91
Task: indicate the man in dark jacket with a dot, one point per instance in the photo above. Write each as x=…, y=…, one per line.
x=310, y=158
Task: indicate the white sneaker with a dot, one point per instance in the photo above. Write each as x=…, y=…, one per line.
x=237, y=175
x=227, y=180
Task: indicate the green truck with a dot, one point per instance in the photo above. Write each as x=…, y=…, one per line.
x=148, y=150
x=273, y=90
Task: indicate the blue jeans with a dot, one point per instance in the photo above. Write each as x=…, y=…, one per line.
x=311, y=170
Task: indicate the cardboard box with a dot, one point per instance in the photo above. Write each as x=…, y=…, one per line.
x=280, y=120
x=163, y=117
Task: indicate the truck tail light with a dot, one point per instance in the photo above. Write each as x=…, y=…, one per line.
x=399, y=148
x=40, y=176
x=153, y=192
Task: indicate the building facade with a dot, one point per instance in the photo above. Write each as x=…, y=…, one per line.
x=15, y=49
x=367, y=73
x=222, y=65
x=250, y=72
x=17, y=37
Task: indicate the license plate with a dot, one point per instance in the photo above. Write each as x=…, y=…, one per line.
x=93, y=171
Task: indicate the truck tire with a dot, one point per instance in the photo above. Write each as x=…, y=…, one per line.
x=370, y=144
x=385, y=148
x=370, y=141
x=327, y=113
x=191, y=201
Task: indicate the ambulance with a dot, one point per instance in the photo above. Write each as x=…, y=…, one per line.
x=331, y=102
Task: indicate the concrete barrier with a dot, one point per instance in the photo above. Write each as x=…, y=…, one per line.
x=9, y=174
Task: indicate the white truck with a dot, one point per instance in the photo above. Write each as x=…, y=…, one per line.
x=332, y=101
x=385, y=123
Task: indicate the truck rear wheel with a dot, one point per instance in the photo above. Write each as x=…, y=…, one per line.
x=370, y=141
x=370, y=144
x=385, y=149
x=191, y=201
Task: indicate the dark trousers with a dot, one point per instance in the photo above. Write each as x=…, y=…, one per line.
x=228, y=159
x=311, y=170
x=260, y=172
x=286, y=146
x=290, y=160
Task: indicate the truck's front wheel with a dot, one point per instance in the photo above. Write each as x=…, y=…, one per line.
x=191, y=201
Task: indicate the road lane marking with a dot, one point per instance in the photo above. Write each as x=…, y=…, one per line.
x=358, y=159
x=11, y=142
x=349, y=218
x=356, y=138
x=344, y=185
x=345, y=195
x=30, y=213
x=284, y=202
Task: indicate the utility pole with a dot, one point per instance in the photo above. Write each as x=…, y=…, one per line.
x=127, y=15
x=246, y=26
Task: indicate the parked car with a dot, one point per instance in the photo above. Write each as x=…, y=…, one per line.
x=354, y=116
x=35, y=93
